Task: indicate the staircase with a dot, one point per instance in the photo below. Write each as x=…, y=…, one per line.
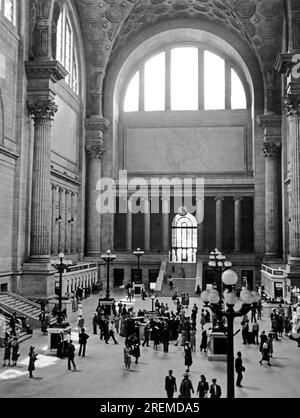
x=22, y=334
x=186, y=285
x=12, y=302
x=189, y=269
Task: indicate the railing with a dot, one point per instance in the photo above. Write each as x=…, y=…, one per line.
x=21, y=298
x=83, y=275
x=161, y=275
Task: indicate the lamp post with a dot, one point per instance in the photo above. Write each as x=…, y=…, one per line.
x=108, y=257
x=235, y=307
x=138, y=252
x=218, y=262
x=60, y=265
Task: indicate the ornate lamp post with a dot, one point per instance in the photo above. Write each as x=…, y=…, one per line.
x=108, y=257
x=138, y=252
x=152, y=297
x=218, y=262
x=61, y=265
x=235, y=307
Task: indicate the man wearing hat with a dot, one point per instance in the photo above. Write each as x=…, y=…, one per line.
x=170, y=384
x=186, y=387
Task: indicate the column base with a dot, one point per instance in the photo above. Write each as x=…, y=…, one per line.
x=38, y=280
x=272, y=258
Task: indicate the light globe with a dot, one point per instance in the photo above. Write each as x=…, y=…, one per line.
x=213, y=297
x=247, y=297
x=204, y=295
x=229, y=277
x=230, y=298
x=238, y=305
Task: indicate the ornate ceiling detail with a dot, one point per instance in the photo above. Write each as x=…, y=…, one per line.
x=108, y=25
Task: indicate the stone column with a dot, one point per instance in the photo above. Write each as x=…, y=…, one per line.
x=272, y=169
x=95, y=153
x=165, y=224
x=61, y=221
x=43, y=114
x=146, y=224
x=219, y=222
x=129, y=227
x=200, y=223
x=237, y=223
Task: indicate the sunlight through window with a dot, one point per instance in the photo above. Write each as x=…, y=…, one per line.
x=155, y=83
x=131, y=102
x=184, y=79
x=238, y=96
x=214, y=81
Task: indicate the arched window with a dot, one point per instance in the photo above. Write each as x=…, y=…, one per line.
x=66, y=51
x=8, y=9
x=184, y=238
x=185, y=78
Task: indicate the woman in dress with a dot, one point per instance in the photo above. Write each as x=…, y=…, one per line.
x=265, y=354
x=187, y=356
x=32, y=359
x=203, y=345
x=127, y=356
x=202, y=388
x=15, y=351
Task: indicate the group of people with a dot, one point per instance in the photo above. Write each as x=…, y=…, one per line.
x=186, y=388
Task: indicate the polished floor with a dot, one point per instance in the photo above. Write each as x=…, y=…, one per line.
x=102, y=373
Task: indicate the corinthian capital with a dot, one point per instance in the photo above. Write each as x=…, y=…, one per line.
x=292, y=106
x=270, y=149
x=42, y=109
x=96, y=150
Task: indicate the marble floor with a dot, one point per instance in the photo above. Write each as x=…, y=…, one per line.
x=102, y=373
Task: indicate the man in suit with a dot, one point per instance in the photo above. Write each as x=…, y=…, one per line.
x=215, y=390
x=170, y=384
x=71, y=355
x=239, y=368
x=82, y=342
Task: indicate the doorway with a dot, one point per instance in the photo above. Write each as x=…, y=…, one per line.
x=118, y=277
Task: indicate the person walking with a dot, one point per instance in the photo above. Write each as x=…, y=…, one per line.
x=7, y=352
x=111, y=333
x=186, y=387
x=188, y=361
x=71, y=355
x=83, y=337
x=265, y=354
x=215, y=390
x=245, y=331
x=15, y=346
x=203, y=345
x=239, y=368
x=95, y=322
x=202, y=388
x=193, y=338
x=165, y=337
x=263, y=339
x=146, y=335
x=156, y=337
x=136, y=352
x=80, y=324
x=170, y=384
x=127, y=356
x=32, y=359
x=255, y=331
x=270, y=345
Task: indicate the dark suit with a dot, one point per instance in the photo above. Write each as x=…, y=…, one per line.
x=215, y=391
x=170, y=386
x=239, y=368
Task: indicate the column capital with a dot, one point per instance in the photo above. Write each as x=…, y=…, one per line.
x=42, y=109
x=292, y=105
x=96, y=150
x=235, y=198
x=271, y=149
x=219, y=198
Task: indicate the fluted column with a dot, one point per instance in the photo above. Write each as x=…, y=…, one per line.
x=129, y=226
x=43, y=114
x=95, y=153
x=74, y=224
x=200, y=223
x=237, y=222
x=146, y=224
x=272, y=152
x=292, y=104
x=165, y=224
x=219, y=222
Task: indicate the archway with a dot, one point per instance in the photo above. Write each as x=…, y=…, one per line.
x=184, y=238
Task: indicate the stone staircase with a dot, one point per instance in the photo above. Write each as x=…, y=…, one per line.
x=11, y=302
x=186, y=285
x=189, y=269
x=22, y=334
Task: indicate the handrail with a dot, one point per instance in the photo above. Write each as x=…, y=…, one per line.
x=273, y=271
x=28, y=301
x=160, y=277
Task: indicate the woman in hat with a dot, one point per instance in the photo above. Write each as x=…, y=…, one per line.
x=187, y=356
x=15, y=351
x=186, y=387
x=32, y=359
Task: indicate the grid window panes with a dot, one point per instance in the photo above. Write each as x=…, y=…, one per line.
x=214, y=85
x=131, y=102
x=155, y=83
x=66, y=51
x=238, y=96
x=184, y=78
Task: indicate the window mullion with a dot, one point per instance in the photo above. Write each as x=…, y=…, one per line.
x=227, y=85
x=200, y=79
x=142, y=89
x=168, y=80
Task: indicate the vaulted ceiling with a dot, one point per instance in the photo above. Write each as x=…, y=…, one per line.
x=108, y=25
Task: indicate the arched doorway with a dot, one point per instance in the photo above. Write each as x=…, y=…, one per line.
x=184, y=238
